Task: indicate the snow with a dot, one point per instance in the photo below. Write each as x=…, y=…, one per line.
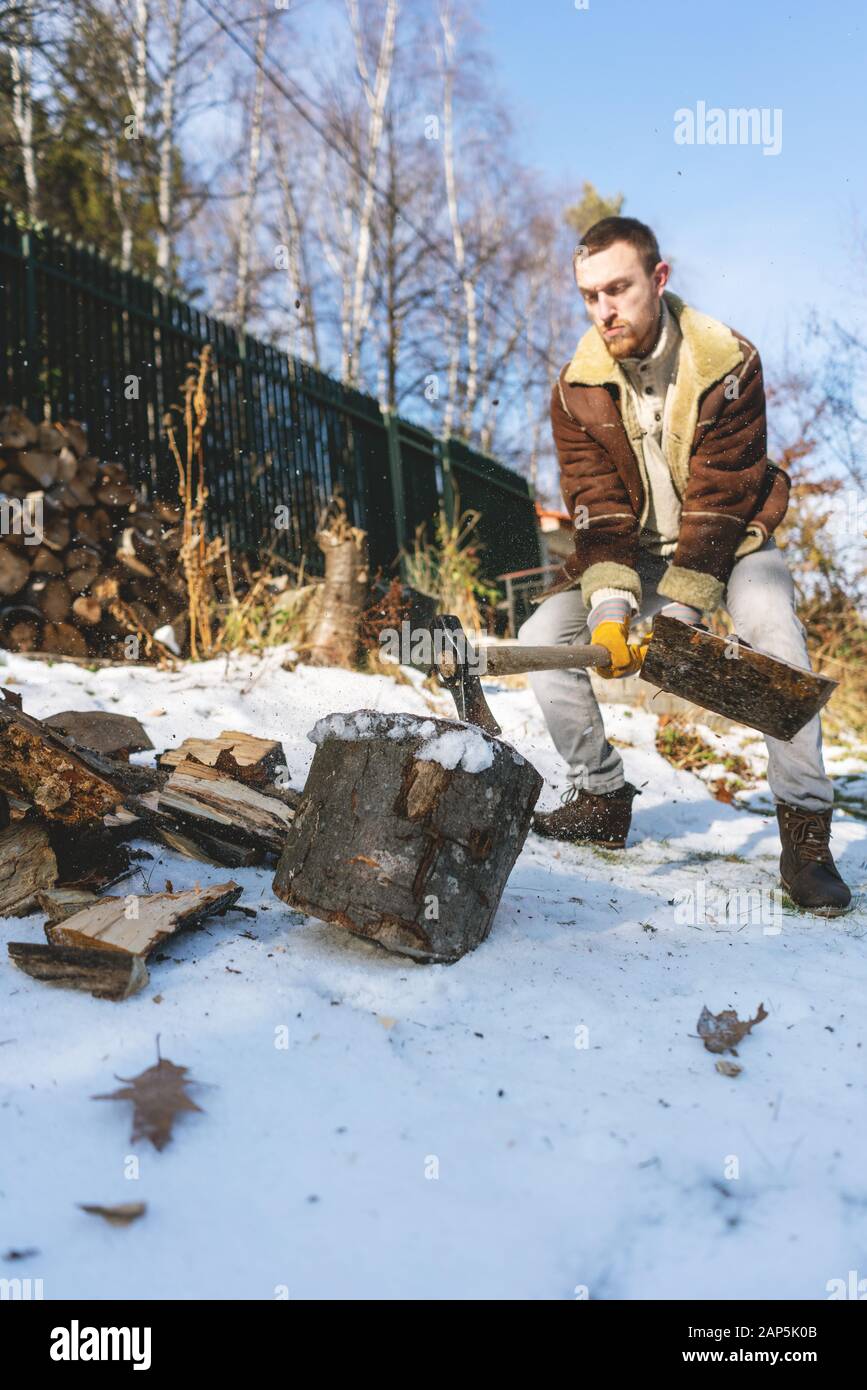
x=538, y=1119
x=464, y=746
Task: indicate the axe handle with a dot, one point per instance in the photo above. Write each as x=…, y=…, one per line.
x=516, y=659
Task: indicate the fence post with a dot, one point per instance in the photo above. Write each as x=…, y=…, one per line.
x=31, y=379
x=449, y=498
x=251, y=520
x=398, y=497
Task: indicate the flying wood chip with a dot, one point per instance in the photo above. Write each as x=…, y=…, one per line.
x=121, y=1215
x=722, y=1032
x=158, y=1096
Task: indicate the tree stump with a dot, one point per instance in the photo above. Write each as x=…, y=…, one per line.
x=334, y=640
x=407, y=831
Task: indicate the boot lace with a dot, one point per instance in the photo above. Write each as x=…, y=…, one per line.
x=809, y=831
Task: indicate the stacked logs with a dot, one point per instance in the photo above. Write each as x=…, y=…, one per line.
x=102, y=565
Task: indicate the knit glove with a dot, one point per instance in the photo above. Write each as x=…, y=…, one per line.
x=684, y=612
x=609, y=627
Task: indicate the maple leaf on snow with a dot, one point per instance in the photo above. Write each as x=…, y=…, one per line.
x=158, y=1096
x=722, y=1032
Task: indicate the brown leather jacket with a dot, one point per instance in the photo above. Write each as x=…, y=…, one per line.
x=715, y=442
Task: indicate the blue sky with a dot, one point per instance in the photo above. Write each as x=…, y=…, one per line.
x=758, y=240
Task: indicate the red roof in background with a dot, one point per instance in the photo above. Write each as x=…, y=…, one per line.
x=555, y=513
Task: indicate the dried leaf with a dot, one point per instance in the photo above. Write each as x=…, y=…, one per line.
x=385, y=1020
x=721, y=1032
x=158, y=1096
x=121, y=1215
x=726, y=1068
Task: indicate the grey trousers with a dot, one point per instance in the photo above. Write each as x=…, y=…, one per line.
x=760, y=602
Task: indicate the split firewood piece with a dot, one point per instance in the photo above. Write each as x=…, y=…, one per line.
x=16, y=430
x=91, y=856
x=56, y=531
x=112, y=735
x=60, y=903
x=209, y=849
x=86, y=611
x=14, y=570
x=204, y=799
x=245, y=757
x=49, y=437
x=44, y=561
x=38, y=766
x=74, y=436
x=41, y=467
x=105, y=974
x=135, y=925
x=23, y=636
x=27, y=864
x=62, y=639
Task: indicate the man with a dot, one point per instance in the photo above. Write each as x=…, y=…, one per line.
x=659, y=425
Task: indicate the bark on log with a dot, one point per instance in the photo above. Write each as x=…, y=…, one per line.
x=407, y=831
x=27, y=863
x=112, y=735
x=38, y=766
x=104, y=974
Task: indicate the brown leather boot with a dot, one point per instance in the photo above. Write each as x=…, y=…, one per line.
x=807, y=869
x=602, y=818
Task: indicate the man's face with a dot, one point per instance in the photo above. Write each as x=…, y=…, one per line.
x=622, y=299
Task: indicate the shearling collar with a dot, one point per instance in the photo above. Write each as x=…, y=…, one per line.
x=711, y=346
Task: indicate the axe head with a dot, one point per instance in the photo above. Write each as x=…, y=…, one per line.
x=726, y=676
x=456, y=667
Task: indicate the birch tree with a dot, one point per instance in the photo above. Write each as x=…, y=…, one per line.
x=252, y=161
x=376, y=95
x=21, y=48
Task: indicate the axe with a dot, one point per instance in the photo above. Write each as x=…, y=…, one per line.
x=722, y=674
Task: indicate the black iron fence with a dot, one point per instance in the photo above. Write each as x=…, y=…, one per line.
x=82, y=338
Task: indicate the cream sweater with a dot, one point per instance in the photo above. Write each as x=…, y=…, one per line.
x=650, y=380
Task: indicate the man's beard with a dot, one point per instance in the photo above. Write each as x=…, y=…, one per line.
x=624, y=344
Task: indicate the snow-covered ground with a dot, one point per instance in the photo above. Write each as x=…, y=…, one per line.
x=538, y=1120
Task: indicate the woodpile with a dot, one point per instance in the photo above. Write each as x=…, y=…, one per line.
x=70, y=803
x=100, y=566
x=405, y=834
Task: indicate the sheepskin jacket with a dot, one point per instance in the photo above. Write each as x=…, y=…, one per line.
x=715, y=444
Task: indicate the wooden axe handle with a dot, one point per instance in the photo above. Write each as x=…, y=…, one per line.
x=518, y=658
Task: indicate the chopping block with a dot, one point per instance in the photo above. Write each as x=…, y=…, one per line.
x=407, y=830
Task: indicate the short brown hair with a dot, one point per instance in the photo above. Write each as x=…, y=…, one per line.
x=610, y=229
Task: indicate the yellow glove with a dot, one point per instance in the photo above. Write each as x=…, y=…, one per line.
x=626, y=659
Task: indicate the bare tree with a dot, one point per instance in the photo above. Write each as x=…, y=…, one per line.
x=21, y=47
x=376, y=95
x=251, y=176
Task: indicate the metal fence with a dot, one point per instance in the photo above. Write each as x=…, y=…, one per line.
x=81, y=338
